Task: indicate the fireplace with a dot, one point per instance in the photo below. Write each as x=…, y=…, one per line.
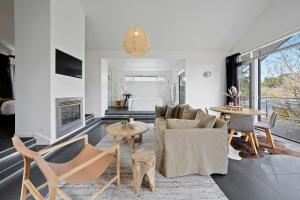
x=69, y=115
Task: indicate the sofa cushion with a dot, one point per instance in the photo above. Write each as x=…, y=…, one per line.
x=189, y=113
x=182, y=123
x=181, y=108
x=169, y=112
x=176, y=112
x=160, y=111
x=200, y=113
x=220, y=124
x=206, y=121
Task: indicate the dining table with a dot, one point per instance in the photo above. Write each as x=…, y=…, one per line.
x=226, y=110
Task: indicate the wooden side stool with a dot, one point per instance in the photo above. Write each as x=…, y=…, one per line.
x=143, y=164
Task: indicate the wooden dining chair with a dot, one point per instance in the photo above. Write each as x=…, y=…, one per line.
x=283, y=114
x=244, y=124
x=266, y=127
x=87, y=166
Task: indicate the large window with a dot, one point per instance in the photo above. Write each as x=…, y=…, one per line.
x=280, y=80
x=273, y=80
x=244, y=72
x=145, y=78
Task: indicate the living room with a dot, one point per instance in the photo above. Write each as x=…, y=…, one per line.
x=193, y=99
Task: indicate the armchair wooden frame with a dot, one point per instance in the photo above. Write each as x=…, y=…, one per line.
x=92, y=163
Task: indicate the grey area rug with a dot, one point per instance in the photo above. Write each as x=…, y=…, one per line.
x=186, y=187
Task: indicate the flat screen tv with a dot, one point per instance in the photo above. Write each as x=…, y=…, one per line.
x=67, y=65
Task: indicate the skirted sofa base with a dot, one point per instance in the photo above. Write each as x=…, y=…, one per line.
x=202, y=151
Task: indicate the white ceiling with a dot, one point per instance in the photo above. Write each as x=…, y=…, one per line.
x=175, y=25
x=142, y=64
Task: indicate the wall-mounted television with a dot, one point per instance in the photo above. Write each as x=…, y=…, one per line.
x=67, y=65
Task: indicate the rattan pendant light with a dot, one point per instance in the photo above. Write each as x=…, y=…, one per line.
x=136, y=42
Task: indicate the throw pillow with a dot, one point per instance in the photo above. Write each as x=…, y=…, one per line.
x=160, y=111
x=189, y=113
x=182, y=123
x=176, y=112
x=181, y=108
x=199, y=114
x=169, y=112
x=207, y=121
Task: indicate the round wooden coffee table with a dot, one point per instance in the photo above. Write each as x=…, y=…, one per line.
x=138, y=128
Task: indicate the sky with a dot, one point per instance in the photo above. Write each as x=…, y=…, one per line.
x=273, y=58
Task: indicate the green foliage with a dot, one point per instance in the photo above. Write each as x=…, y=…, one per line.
x=245, y=80
x=272, y=82
x=124, y=122
x=245, y=87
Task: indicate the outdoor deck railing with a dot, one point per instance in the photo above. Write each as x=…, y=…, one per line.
x=291, y=104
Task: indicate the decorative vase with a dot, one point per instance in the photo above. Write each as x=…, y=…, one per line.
x=118, y=104
x=131, y=120
x=235, y=101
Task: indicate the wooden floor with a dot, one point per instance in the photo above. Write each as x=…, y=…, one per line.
x=271, y=177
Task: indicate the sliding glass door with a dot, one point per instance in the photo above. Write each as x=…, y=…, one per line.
x=280, y=88
x=245, y=84
x=269, y=79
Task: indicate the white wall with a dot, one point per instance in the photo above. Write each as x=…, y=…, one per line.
x=93, y=84
x=279, y=19
x=68, y=35
x=139, y=88
x=32, y=39
x=103, y=86
x=200, y=92
x=41, y=27
x=205, y=92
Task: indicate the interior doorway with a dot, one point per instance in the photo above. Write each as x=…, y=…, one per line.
x=181, y=87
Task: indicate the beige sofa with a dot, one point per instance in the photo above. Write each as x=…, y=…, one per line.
x=186, y=151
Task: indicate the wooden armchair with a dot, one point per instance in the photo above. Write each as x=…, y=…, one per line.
x=87, y=166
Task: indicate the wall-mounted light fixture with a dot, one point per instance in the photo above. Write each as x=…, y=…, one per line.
x=207, y=74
